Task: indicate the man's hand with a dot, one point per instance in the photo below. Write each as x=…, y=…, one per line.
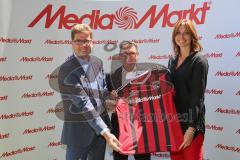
x=113, y=94
x=112, y=141
x=188, y=137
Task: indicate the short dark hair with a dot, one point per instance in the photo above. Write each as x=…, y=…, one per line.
x=127, y=44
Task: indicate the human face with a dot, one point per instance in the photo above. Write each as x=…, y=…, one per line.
x=183, y=38
x=129, y=55
x=82, y=44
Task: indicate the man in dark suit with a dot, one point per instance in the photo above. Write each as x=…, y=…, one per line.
x=82, y=86
x=121, y=76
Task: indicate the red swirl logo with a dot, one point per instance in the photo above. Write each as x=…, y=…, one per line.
x=126, y=18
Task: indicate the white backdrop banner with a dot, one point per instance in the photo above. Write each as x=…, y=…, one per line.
x=35, y=39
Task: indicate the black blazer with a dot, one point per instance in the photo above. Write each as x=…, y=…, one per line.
x=190, y=80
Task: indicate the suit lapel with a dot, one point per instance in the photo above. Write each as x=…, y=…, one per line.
x=80, y=73
x=93, y=74
x=116, y=79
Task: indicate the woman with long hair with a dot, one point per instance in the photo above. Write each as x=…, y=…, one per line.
x=189, y=69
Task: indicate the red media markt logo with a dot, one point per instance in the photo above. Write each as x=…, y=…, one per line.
x=214, y=127
x=124, y=18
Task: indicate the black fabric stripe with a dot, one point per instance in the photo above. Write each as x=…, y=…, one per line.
x=145, y=136
x=164, y=120
x=154, y=123
x=131, y=117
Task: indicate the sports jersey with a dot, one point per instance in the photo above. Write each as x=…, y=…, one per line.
x=148, y=121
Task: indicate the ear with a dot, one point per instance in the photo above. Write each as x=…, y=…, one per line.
x=91, y=45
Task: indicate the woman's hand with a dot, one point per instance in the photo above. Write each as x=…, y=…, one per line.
x=187, y=139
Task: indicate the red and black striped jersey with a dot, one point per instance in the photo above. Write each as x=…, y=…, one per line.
x=148, y=121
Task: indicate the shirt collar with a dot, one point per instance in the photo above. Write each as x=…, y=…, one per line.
x=81, y=61
x=134, y=69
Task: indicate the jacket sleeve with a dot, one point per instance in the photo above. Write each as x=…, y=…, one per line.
x=197, y=90
x=81, y=107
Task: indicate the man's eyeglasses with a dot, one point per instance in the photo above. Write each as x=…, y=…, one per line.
x=82, y=42
x=127, y=53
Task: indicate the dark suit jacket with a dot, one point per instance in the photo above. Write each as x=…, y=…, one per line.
x=84, y=119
